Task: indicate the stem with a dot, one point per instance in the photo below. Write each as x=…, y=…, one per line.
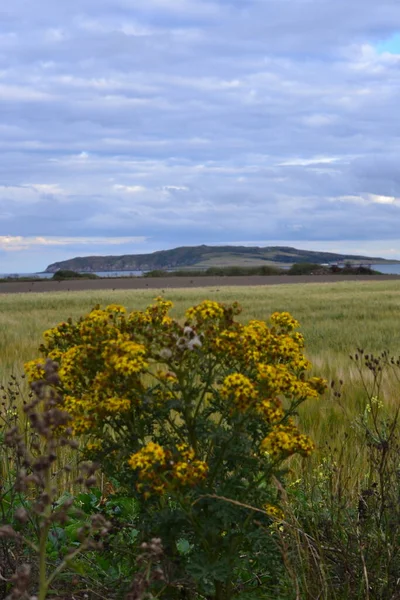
x=205, y=389
x=174, y=428
x=63, y=564
x=224, y=448
x=44, y=532
x=187, y=417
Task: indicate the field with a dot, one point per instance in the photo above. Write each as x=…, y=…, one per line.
x=335, y=319
x=324, y=540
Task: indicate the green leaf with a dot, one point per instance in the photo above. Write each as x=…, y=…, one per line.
x=57, y=537
x=183, y=546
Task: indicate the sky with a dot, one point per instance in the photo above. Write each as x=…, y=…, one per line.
x=128, y=126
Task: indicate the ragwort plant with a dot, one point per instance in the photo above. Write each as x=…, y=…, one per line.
x=194, y=420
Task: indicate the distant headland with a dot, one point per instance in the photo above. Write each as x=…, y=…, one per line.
x=204, y=257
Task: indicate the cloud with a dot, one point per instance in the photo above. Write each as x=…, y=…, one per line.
x=19, y=243
x=129, y=189
x=306, y=162
x=197, y=121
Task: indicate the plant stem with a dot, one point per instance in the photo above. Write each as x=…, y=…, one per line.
x=44, y=532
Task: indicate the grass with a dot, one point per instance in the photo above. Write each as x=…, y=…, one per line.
x=335, y=318
x=229, y=260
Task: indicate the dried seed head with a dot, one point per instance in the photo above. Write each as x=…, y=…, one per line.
x=6, y=531
x=21, y=515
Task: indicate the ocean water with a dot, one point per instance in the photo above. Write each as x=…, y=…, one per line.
x=387, y=269
x=50, y=275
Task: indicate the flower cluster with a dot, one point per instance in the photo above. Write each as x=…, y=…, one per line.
x=124, y=356
x=100, y=366
x=278, y=379
x=274, y=511
x=284, y=321
x=35, y=369
x=240, y=390
x=160, y=470
x=179, y=402
x=204, y=311
x=285, y=440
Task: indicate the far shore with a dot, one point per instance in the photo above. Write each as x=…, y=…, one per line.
x=164, y=283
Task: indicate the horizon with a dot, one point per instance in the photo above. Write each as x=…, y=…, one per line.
x=135, y=127
x=315, y=247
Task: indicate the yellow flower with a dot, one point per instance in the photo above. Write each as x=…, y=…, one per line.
x=271, y=410
x=284, y=320
x=190, y=473
x=115, y=405
x=208, y=309
x=240, y=389
x=35, y=369
x=274, y=511
x=286, y=440
x=125, y=356
x=147, y=457
x=116, y=308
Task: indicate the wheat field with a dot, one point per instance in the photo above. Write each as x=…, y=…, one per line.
x=335, y=319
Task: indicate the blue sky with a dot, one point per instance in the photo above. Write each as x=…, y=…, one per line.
x=137, y=125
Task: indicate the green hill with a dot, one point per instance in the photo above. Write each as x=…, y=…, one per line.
x=205, y=257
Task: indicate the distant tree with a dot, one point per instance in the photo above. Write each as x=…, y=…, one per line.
x=304, y=268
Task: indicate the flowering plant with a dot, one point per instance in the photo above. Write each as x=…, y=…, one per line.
x=193, y=419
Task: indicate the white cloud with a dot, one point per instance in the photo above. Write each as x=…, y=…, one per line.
x=46, y=188
x=369, y=199
x=129, y=189
x=19, y=243
x=30, y=192
x=319, y=120
x=22, y=93
x=379, y=199
x=175, y=188
x=306, y=162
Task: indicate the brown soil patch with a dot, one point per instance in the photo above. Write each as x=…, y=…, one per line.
x=157, y=283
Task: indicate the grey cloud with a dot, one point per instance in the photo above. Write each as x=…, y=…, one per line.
x=225, y=119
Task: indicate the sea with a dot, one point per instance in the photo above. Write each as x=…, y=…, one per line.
x=50, y=275
x=386, y=269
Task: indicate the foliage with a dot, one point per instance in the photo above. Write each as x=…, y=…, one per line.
x=198, y=418
x=228, y=271
x=35, y=516
x=356, y=270
x=341, y=538
x=67, y=274
x=305, y=268
x=315, y=269
x=51, y=540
